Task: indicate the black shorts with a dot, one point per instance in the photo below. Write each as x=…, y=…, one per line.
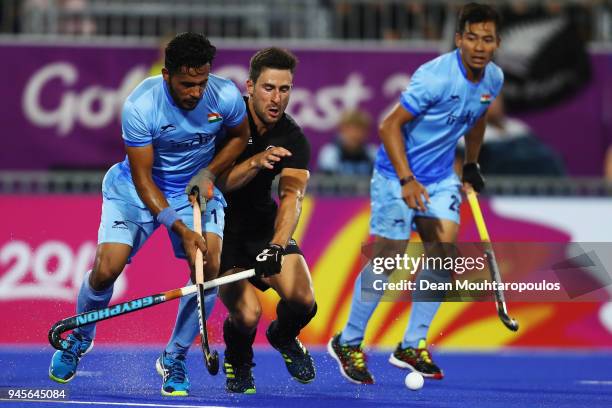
x=240, y=252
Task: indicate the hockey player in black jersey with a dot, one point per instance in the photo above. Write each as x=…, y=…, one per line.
x=258, y=232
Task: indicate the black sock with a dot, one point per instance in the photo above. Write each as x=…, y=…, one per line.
x=289, y=323
x=238, y=345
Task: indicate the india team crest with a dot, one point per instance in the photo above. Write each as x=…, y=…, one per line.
x=485, y=99
x=214, y=117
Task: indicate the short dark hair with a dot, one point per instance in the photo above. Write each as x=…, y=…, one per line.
x=191, y=50
x=477, y=13
x=273, y=57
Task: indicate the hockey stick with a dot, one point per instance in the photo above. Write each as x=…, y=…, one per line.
x=500, y=300
x=210, y=358
x=120, y=309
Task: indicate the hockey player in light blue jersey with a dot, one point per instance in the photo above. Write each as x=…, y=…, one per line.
x=414, y=183
x=171, y=124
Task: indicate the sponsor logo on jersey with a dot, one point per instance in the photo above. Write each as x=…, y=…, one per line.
x=198, y=139
x=468, y=117
x=214, y=117
x=120, y=224
x=167, y=128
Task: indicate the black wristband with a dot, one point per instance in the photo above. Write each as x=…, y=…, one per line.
x=406, y=180
x=272, y=244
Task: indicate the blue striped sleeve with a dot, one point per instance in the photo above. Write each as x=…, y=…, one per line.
x=420, y=93
x=135, y=132
x=233, y=108
x=137, y=144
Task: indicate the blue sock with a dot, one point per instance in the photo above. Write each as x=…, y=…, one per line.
x=362, y=307
x=90, y=299
x=187, y=327
x=423, y=312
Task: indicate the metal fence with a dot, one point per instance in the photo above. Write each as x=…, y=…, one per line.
x=318, y=20
x=75, y=182
x=155, y=18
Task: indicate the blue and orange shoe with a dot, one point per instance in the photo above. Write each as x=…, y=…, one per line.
x=64, y=363
x=172, y=369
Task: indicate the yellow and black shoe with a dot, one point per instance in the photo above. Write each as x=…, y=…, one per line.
x=416, y=359
x=351, y=360
x=239, y=378
x=298, y=361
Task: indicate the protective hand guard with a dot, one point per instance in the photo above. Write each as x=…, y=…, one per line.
x=268, y=262
x=204, y=180
x=472, y=175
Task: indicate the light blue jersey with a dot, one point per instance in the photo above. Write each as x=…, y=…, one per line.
x=445, y=105
x=183, y=141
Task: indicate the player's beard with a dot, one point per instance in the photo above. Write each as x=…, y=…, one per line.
x=264, y=118
x=191, y=107
x=177, y=100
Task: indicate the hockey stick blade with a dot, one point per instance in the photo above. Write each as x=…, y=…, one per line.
x=500, y=301
x=509, y=322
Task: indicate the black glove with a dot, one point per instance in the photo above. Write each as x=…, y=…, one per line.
x=269, y=261
x=472, y=175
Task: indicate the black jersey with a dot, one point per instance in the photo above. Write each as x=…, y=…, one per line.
x=251, y=209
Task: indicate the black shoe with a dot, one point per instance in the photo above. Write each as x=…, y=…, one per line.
x=239, y=378
x=351, y=360
x=297, y=359
x=416, y=359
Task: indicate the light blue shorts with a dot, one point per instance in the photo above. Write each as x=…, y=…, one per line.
x=392, y=218
x=126, y=220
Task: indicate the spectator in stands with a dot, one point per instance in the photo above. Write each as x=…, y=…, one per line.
x=368, y=20
x=72, y=17
x=79, y=22
x=349, y=153
x=511, y=148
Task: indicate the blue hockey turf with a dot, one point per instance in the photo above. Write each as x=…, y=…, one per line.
x=126, y=377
